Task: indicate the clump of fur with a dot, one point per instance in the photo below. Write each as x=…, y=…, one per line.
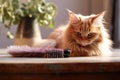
x=84, y=35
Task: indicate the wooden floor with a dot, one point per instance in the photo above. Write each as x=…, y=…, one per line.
x=72, y=68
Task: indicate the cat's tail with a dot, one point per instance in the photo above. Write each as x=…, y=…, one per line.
x=57, y=35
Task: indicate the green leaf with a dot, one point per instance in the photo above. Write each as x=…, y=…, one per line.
x=10, y=35
x=1, y=19
x=51, y=24
x=3, y=1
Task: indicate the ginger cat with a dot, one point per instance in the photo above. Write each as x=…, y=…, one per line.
x=84, y=35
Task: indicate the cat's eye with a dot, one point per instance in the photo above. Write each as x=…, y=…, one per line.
x=90, y=35
x=78, y=33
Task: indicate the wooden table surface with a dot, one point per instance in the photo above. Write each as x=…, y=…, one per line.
x=72, y=68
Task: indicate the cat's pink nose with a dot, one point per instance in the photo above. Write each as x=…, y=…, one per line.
x=83, y=38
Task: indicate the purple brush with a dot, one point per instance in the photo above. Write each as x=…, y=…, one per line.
x=26, y=51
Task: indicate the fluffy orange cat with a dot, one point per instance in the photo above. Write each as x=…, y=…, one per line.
x=84, y=35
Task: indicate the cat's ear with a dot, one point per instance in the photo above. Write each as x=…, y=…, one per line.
x=98, y=18
x=73, y=17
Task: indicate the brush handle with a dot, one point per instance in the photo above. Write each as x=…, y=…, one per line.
x=25, y=51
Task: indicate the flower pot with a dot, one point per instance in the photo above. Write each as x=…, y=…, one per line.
x=28, y=32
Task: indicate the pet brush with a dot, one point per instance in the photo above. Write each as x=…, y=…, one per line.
x=26, y=51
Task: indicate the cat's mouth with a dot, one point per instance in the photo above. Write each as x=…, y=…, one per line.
x=85, y=44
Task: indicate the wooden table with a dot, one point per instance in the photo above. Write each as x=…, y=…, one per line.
x=72, y=68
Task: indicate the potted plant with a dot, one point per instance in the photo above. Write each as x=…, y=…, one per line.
x=27, y=14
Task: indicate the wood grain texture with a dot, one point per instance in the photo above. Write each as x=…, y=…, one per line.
x=72, y=68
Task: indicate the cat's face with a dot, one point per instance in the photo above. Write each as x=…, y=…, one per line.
x=85, y=30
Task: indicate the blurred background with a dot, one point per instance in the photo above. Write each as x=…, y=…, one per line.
x=84, y=7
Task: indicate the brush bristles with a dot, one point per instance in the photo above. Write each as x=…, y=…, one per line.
x=26, y=51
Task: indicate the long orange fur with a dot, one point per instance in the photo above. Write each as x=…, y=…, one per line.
x=84, y=35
